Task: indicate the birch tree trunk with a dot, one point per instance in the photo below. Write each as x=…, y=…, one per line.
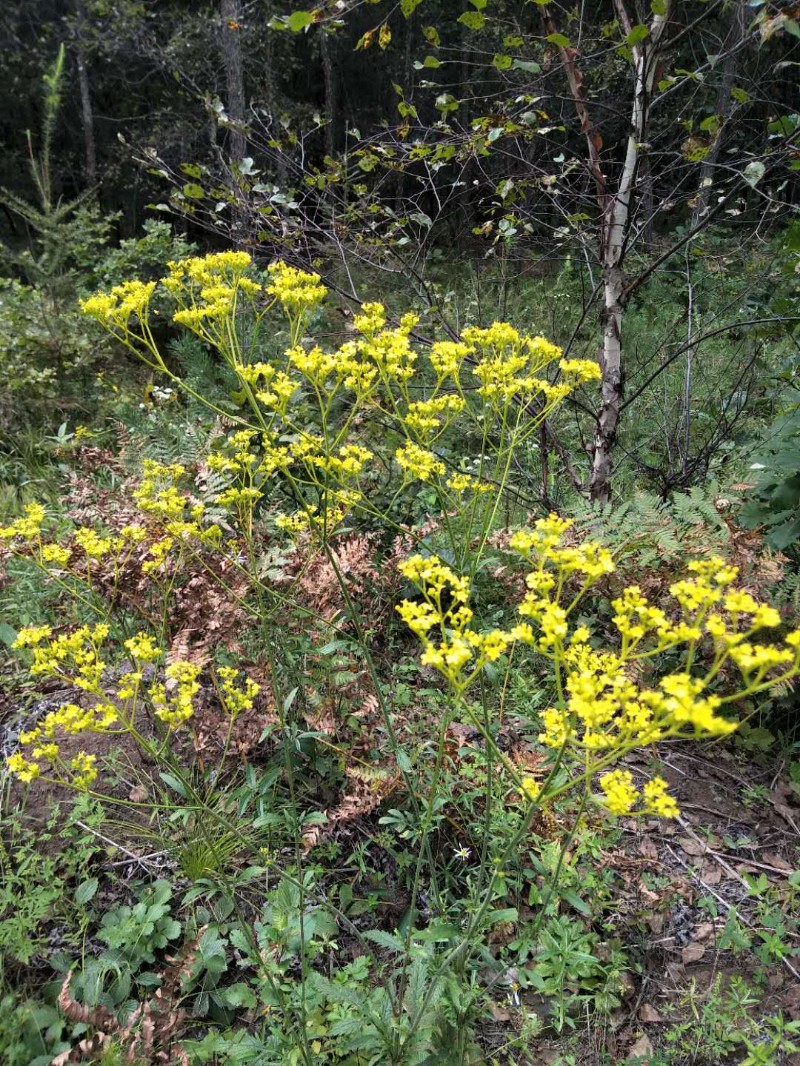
x=613, y=222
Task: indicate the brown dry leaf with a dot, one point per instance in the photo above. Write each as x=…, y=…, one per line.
x=693, y=952
x=649, y=1014
x=648, y=848
x=704, y=931
x=778, y=862
x=711, y=873
x=640, y=1049
x=500, y=1014
x=655, y=923
x=692, y=846
x=138, y=794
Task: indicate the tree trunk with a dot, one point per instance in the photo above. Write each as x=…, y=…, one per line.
x=234, y=77
x=724, y=105
x=87, y=117
x=331, y=93
x=613, y=248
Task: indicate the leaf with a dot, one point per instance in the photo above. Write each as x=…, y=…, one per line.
x=559, y=40
x=173, y=783
x=502, y=62
x=658, y=7
x=384, y=37
x=431, y=62
x=527, y=65
x=386, y=940
x=637, y=35
x=473, y=20
x=365, y=40
x=193, y=191
x=753, y=173
x=298, y=20
x=693, y=952
x=408, y=7
x=7, y=634
x=431, y=35
x=741, y=96
x=86, y=891
x=479, y=4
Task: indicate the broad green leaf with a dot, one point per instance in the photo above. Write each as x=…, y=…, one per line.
x=740, y=95
x=193, y=191
x=431, y=35
x=431, y=62
x=479, y=4
x=298, y=20
x=408, y=7
x=527, y=65
x=502, y=62
x=559, y=40
x=658, y=7
x=637, y=34
x=473, y=20
x=86, y=891
x=754, y=172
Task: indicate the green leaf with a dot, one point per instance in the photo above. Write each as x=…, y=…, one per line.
x=753, y=173
x=479, y=4
x=527, y=65
x=193, y=191
x=408, y=7
x=559, y=40
x=740, y=95
x=85, y=891
x=7, y=634
x=637, y=34
x=473, y=20
x=431, y=35
x=298, y=20
x=173, y=783
x=502, y=62
x=431, y=62
x=386, y=940
x=658, y=7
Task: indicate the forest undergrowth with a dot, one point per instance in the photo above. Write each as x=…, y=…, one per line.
x=327, y=743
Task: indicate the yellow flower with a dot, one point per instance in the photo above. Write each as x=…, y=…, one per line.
x=658, y=801
x=22, y=768
x=620, y=794
x=419, y=462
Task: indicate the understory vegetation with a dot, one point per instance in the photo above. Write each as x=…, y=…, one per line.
x=400, y=538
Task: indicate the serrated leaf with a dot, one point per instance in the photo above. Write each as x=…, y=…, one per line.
x=386, y=940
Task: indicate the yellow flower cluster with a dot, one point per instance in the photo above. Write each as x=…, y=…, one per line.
x=419, y=462
x=298, y=291
x=460, y=652
x=237, y=698
x=72, y=657
x=28, y=527
x=621, y=795
x=604, y=709
x=173, y=702
x=115, y=308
